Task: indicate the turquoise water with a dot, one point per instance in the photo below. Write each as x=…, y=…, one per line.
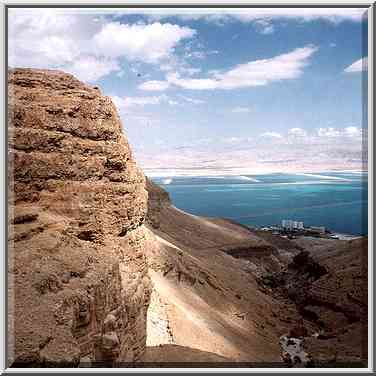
x=337, y=201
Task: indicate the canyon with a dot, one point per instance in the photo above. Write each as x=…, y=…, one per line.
x=103, y=269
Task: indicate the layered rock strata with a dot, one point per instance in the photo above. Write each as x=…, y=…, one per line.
x=78, y=283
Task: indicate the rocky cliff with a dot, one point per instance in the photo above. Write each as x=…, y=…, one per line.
x=158, y=200
x=78, y=283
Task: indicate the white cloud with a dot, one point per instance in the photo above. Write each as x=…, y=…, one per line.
x=328, y=132
x=166, y=67
x=133, y=70
x=297, y=132
x=178, y=63
x=84, y=44
x=172, y=102
x=323, y=135
x=232, y=140
x=149, y=43
x=337, y=148
x=137, y=102
x=264, y=26
x=267, y=30
x=262, y=72
x=255, y=73
x=141, y=101
x=38, y=39
x=90, y=68
x=200, y=55
x=196, y=55
x=334, y=15
x=241, y=110
x=192, y=83
x=221, y=16
x=154, y=85
x=51, y=39
x=271, y=135
x=358, y=66
x=192, y=100
x=353, y=131
x=349, y=132
x=57, y=39
x=56, y=49
x=263, y=18
x=190, y=71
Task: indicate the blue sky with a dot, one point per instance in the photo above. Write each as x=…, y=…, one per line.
x=217, y=89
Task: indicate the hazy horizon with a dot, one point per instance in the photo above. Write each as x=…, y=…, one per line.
x=257, y=90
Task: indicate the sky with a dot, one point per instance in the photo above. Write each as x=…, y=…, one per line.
x=219, y=90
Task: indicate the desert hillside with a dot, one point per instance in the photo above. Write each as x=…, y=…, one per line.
x=103, y=267
x=233, y=291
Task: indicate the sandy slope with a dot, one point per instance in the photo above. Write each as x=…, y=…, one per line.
x=178, y=356
x=213, y=302
x=221, y=288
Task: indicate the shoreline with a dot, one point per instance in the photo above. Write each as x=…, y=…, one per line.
x=328, y=179
x=332, y=235
x=208, y=173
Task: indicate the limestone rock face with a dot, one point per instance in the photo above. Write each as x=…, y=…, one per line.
x=158, y=199
x=78, y=282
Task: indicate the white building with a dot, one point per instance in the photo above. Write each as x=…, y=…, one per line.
x=288, y=224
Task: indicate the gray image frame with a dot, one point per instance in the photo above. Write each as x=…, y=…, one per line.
x=368, y=84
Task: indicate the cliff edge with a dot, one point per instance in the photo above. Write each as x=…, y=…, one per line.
x=78, y=283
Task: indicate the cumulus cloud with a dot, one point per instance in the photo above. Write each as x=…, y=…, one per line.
x=263, y=18
x=192, y=100
x=264, y=26
x=141, y=101
x=334, y=15
x=358, y=66
x=342, y=149
x=254, y=73
x=154, y=85
x=149, y=43
x=37, y=39
x=200, y=55
x=84, y=44
x=222, y=15
x=297, y=132
x=347, y=132
x=320, y=135
x=123, y=103
x=90, y=68
x=232, y=140
x=271, y=135
x=353, y=131
x=328, y=132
